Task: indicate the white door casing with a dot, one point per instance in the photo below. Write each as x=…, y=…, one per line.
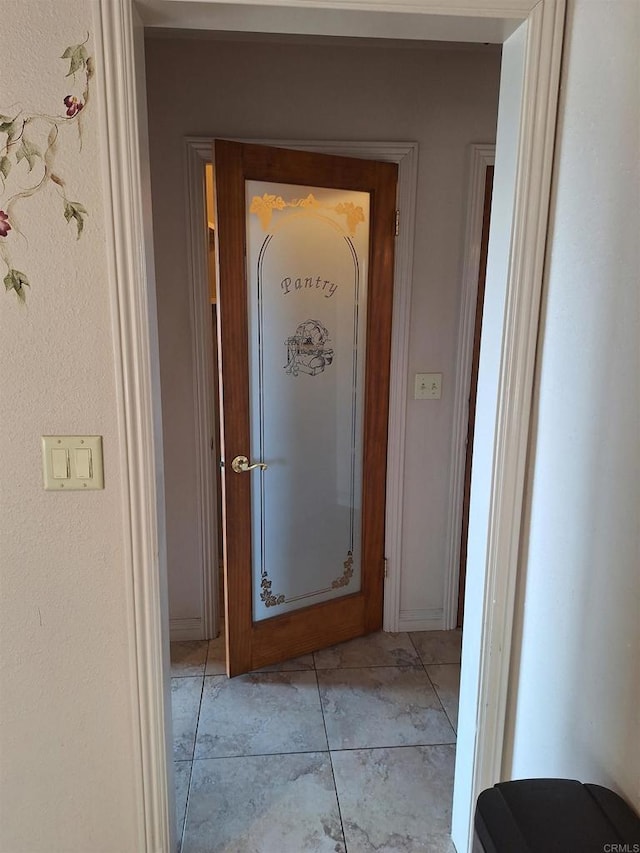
x=125, y=170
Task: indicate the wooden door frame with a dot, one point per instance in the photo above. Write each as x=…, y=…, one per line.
x=197, y=156
x=121, y=102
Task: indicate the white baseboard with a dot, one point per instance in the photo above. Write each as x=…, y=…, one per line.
x=428, y=619
x=186, y=629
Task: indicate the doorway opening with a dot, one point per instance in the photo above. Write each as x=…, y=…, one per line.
x=461, y=166
x=529, y=103
x=307, y=698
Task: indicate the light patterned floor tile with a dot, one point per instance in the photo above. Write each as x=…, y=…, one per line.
x=438, y=646
x=380, y=649
x=446, y=680
x=396, y=800
x=188, y=658
x=181, y=776
x=381, y=706
x=216, y=657
x=305, y=662
x=260, y=713
x=185, y=703
x=263, y=804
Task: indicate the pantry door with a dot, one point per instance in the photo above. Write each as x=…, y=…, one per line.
x=305, y=246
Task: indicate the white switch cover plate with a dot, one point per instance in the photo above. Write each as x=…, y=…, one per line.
x=428, y=386
x=72, y=462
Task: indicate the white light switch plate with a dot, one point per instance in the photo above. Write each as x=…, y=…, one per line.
x=72, y=462
x=428, y=386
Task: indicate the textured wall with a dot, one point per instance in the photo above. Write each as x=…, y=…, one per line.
x=443, y=98
x=67, y=767
x=576, y=695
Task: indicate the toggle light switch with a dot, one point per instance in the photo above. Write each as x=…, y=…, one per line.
x=428, y=386
x=72, y=462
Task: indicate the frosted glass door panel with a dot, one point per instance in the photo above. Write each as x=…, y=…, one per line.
x=307, y=259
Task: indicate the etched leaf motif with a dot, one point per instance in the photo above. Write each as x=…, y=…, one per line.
x=347, y=574
x=74, y=210
x=264, y=207
x=355, y=215
x=270, y=600
x=29, y=152
x=16, y=280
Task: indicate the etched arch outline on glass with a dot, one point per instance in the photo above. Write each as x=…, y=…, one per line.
x=307, y=261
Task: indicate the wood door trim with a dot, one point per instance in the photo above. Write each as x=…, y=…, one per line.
x=234, y=164
x=480, y=156
x=475, y=360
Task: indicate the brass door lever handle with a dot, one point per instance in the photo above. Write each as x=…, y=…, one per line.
x=241, y=464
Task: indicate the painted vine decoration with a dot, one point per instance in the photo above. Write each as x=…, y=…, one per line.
x=27, y=165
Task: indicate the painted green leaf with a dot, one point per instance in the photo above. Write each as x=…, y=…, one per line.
x=77, y=56
x=10, y=126
x=16, y=280
x=29, y=152
x=75, y=210
x=5, y=166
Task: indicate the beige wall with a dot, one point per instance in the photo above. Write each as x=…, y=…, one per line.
x=67, y=752
x=68, y=759
x=575, y=697
x=443, y=98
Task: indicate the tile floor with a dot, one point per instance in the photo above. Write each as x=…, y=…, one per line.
x=348, y=750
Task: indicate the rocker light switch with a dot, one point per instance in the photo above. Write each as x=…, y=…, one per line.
x=60, y=463
x=72, y=462
x=83, y=463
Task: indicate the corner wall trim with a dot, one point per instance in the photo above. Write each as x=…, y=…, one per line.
x=542, y=59
x=129, y=252
x=480, y=156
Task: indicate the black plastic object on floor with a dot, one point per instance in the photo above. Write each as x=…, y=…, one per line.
x=554, y=816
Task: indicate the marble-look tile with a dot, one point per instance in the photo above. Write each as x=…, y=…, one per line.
x=260, y=713
x=217, y=657
x=381, y=706
x=185, y=704
x=291, y=665
x=445, y=678
x=188, y=658
x=380, y=649
x=396, y=800
x=438, y=646
x=263, y=804
x=181, y=776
